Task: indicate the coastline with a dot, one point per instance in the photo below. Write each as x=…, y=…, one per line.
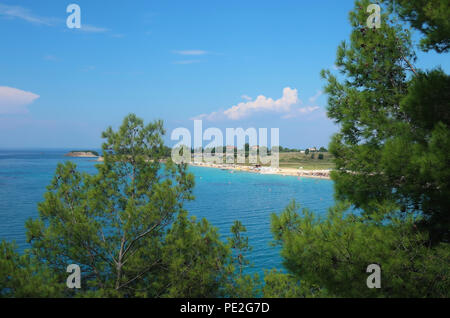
x=317, y=174
x=82, y=154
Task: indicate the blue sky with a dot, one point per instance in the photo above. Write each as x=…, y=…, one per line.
x=173, y=60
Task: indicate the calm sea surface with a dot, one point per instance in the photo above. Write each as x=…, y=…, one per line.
x=221, y=197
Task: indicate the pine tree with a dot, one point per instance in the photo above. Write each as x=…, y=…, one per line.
x=329, y=256
x=22, y=276
x=431, y=17
x=392, y=164
x=125, y=226
x=240, y=284
x=386, y=150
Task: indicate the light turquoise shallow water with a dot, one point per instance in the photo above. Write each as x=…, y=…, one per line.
x=221, y=197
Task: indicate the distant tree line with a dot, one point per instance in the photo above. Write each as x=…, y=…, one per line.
x=246, y=149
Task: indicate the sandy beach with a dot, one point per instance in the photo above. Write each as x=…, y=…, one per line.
x=318, y=174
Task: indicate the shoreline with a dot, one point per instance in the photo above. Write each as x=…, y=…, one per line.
x=82, y=154
x=316, y=174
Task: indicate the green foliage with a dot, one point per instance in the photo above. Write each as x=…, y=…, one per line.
x=240, y=284
x=284, y=285
x=427, y=101
x=392, y=161
x=386, y=149
x=127, y=230
x=21, y=276
x=416, y=157
x=167, y=152
x=125, y=226
x=334, y=253
x=246, y=149
x=286, y=149
x=239, y=246
x=195, y=259
x=431, y=17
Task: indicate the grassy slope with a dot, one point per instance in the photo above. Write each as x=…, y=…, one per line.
x=296, y=160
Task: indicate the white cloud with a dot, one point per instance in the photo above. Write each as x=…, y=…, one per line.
x=301, y=111
x=261, y=104
x=191, y=52
x=264, y=104
x=14, y=101
x=313, y=99
x=17, y=12
x=288, y=105
x=210, y=117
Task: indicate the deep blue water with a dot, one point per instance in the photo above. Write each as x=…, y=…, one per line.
x=221, y=197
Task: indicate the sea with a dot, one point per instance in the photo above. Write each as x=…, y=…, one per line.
x=221, y=196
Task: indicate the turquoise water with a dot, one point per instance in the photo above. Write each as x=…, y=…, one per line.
x=220, y=196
